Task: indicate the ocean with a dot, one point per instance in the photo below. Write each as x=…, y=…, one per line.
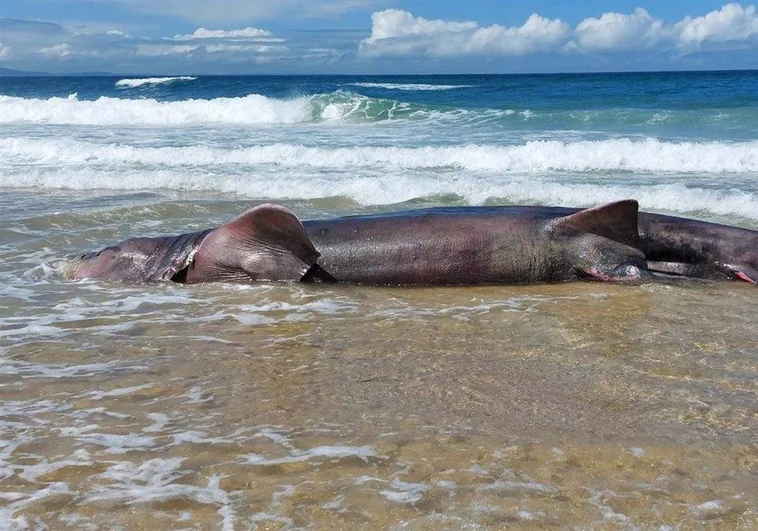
x=284, y=406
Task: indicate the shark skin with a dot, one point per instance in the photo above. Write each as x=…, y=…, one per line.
x=451, y=246
x=438, y=246
x=671, y=245
x=699, y=249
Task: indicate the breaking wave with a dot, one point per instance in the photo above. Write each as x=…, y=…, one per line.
x=535, y=157
x=140, y=82
x=677, y=177
x=251, y=109
x=397, y=188
x=348, y=107
x=409, y=86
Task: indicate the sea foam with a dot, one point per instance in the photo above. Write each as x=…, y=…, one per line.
x=409, y=86
x=535, y=157
x=341, y=105
x=252, y=109
x=675, y=177
x=140, y=82
x=401, y=187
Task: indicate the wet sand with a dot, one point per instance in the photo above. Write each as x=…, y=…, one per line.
x=291, y=406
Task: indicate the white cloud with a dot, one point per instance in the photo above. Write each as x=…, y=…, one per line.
x=252, y=41
x=731, y=23
x=54, y=48
x=57, y=50
x=396, y=32
x=616, y=31
x=394, y=23
x=255, y=48
x=202, y=33
x=636, y=40
x=400, y=33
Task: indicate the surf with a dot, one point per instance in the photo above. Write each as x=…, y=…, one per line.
x=146, y=81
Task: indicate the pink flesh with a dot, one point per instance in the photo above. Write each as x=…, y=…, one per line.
x=743, y=276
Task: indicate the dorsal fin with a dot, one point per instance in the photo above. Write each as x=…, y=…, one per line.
x=267, y=242
x=274, y=228
x=616, y=221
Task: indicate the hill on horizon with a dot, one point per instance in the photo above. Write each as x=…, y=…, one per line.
x=10, y=72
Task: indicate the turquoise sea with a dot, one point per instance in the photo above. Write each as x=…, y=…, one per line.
x=285, y=406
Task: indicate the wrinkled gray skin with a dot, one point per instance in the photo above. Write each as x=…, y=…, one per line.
x=699, y=249
x=385, y=248
x=460, y=245
x=482, y=246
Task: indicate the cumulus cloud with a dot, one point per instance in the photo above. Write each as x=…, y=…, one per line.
x=256, y=48
x=732, y=23
x=394, y=23
x=259, y=44
x=202, y=33
x=396, y=32
x=616, y=31
x=400, y=33
x=57, y=50
x=635, y=40
x=54, y=48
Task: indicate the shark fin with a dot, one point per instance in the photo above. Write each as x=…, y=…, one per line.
x=599, y=258
x=267, y=242
x=615, y=221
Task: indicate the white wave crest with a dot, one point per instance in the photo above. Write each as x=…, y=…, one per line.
x=252, y=109
x=409, y=86
x=536, y=157
x=675, y=177
x=139, y=82
x=399, y=187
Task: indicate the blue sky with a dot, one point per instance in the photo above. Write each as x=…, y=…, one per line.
x=374, y=36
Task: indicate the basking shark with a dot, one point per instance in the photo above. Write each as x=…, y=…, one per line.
x=438, y=246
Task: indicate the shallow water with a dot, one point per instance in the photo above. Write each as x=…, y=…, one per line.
x=289, y=406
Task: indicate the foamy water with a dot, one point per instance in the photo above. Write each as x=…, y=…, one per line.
x=104, y=111
x=408, y=86
x=535, y=157
x=143, y=81
x=665, y=176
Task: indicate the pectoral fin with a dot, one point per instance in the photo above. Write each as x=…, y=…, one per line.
x=607, y=260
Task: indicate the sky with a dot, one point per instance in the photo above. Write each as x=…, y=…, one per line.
x=190, y=37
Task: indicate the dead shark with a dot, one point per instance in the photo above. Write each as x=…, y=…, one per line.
x=438, y=246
